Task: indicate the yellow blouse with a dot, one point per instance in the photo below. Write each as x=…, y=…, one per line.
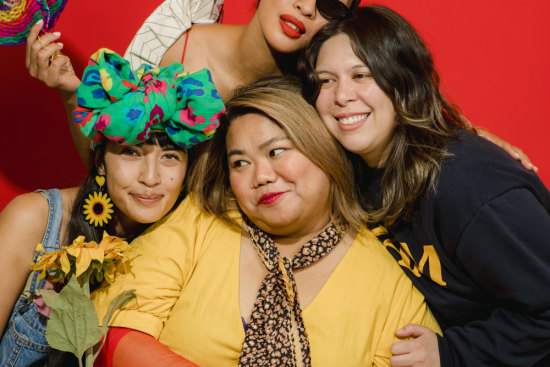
x=185, y=270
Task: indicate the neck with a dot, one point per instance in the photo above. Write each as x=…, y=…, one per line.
x=255, y=57
x=128, y=228
x=289, y=245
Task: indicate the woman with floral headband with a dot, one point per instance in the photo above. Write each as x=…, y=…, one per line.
x=142, y=127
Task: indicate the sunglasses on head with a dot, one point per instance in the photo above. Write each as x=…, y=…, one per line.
x=334, y=9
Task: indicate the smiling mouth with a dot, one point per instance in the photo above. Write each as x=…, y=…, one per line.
x=293, y=26
x=147, y=199
x=270, y=198
x=352, y=119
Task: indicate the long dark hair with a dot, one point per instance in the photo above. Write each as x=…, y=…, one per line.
x=402, y=65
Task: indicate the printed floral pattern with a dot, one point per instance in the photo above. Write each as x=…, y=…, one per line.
x=125, y=106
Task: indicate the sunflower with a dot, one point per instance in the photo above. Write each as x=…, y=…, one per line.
x=98, y=209
x=81, y=256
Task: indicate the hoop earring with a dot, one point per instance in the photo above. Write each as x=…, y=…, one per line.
x=98, y=207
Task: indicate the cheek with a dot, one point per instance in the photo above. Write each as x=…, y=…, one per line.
x=120, y=176
x=322, y=103
x=240, y=188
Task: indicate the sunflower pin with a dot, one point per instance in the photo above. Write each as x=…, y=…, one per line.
x=98, y=207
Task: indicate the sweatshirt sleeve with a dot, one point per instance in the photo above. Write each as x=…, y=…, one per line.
x=505, y=249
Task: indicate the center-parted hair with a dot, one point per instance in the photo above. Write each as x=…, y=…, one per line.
x=402, y=66
x=280, y=100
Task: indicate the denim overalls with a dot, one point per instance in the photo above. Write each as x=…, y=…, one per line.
x=24, y=341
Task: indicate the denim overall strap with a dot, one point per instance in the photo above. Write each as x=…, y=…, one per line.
x=50, y=241
x=24, y=341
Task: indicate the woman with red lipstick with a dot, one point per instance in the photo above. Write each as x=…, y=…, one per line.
x=261, y=265
x=471, y=225
x=136, y=179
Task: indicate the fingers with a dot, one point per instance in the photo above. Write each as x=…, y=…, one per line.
x=31, y=38
x=412, y=330
x=43, y=55
x=515, y=152
x=522, y=157
x=40, y=51
x=422, y=351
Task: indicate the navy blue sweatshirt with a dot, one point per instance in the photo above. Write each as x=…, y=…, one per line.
x=478, y=248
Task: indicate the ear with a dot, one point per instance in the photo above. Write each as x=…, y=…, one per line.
x=101, y=169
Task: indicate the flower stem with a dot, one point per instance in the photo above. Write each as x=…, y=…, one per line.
x=89, y=357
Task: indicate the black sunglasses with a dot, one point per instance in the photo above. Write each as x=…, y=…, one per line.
x=334, y=9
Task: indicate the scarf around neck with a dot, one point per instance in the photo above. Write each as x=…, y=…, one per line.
x=270, y=337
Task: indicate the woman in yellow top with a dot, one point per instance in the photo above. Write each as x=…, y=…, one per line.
x=279, y=214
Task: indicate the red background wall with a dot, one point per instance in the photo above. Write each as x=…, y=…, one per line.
x=493, y=57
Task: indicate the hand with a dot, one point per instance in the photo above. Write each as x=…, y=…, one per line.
x=45, y=62
x=422, y=351
x=509, y=148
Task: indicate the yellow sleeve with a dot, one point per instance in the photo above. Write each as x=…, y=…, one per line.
x=408, y=306
x=159, y=263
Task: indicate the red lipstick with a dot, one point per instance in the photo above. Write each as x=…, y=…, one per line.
x=292, y=26
x=270, y=198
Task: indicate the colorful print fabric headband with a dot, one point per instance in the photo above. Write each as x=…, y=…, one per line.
x=125, y=106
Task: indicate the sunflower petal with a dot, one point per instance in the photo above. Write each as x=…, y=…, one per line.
x=65, y=263
x=83, y=262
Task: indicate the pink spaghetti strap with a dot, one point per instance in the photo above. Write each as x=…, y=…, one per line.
x=185, y=45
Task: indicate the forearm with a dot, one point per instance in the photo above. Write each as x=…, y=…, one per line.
x=505, y=338
x=126, y=347
x=81, y=142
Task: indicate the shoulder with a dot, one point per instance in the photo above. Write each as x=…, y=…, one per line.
x=481, y=170
x=187, y=226
x=372, y=254
x=23, y=210
x=23, y=223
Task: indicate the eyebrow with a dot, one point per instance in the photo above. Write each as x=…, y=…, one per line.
x=357, y=66
x=262, y=146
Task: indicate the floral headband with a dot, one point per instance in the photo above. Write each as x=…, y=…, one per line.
x=125, y=107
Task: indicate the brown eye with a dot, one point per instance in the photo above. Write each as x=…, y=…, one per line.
x=129, y=151
x=277, y=151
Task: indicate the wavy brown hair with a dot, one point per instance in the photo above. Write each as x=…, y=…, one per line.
x=279, y=99
x=402, y=65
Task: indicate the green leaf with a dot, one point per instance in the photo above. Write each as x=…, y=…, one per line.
x=73, y=325
x=118, y=302
x=49, y=296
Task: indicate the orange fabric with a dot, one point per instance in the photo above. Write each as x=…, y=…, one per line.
x=127, y=347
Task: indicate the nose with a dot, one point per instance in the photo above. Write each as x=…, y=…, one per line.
x=150, y=172
x=344, y=93
x=306, y=7
x=264, y=174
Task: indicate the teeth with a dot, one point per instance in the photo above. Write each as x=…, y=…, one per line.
x=293, y=26
x=354, y=119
